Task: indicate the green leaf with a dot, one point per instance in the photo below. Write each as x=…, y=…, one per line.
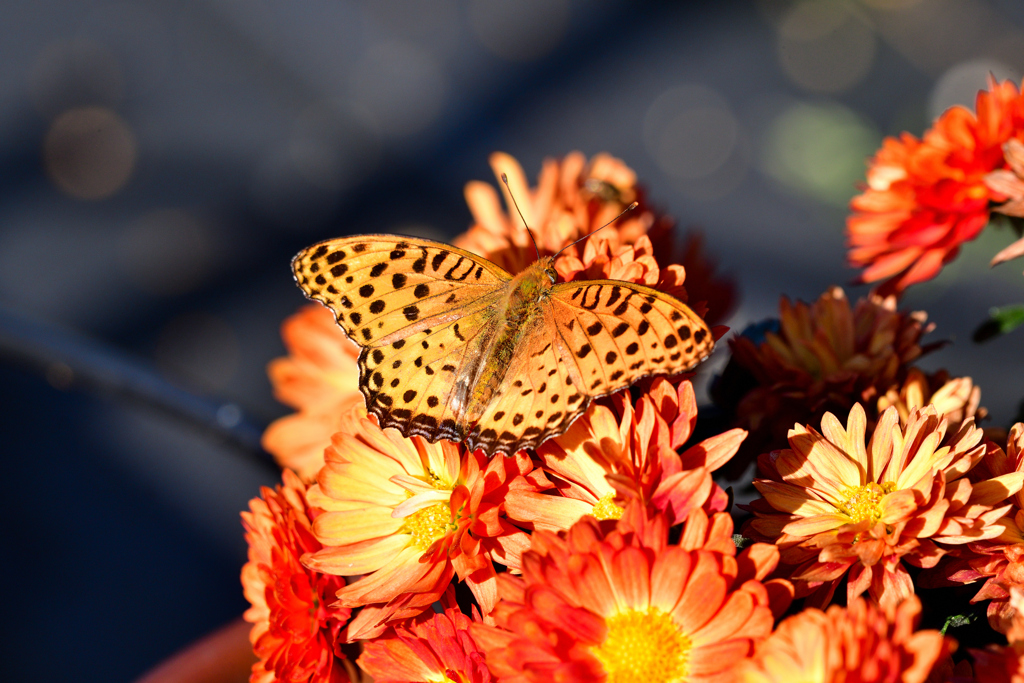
x=958, y=620
x=1000, y=321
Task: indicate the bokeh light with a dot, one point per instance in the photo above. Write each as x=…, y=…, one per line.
x=433, y=23
x=692, y=134
x=74, y=74
x=961, y=83
x=520, y=31
x=401, y=87
x=89, y=152
x=818, y=150
x=825, y=46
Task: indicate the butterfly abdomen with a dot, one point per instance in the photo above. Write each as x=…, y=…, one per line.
x=522, y=312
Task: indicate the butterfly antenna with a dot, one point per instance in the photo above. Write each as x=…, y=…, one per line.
x=590, y=234
x=504, y=179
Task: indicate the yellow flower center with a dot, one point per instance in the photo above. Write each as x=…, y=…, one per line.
x=862, y=501
x=643, y=646
x=606, y=509
x=429, y=524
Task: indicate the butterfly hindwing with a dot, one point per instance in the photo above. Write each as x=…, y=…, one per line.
x=538, y=398
x=618, y=332
x=379, y=286
x=410, y=383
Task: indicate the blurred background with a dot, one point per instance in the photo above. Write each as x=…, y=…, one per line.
x=160, y=163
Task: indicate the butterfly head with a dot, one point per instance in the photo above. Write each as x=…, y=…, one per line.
x=547, y=266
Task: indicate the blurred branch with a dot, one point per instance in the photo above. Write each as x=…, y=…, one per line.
x=71, y=361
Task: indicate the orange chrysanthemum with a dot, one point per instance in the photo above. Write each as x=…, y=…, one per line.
x=438, y=648
x=616, y=454
x=836, y=504
x=296, y=628
x=999, y=560
x=616, y=601
x=857, y=643
x=320, y=378
x=824, y=358
x=573, y=198
x=924, y=198
x=409, y=514
x=957, y=399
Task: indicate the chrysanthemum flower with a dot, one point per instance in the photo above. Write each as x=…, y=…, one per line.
x=296, y=628
x=861, y=642
x=999, y=664
x=573, y=198
x=836, y=504
x=611, y=601
x=435, y=648
x=824, y=357
x=999, y=561
x=957, y=399
x=616, y=454
x=319, y=378
x=924, y=198
x=408, y=515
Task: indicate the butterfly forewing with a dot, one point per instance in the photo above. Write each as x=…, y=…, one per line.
x=421, y=312
x=619, y=332
x=381, y=285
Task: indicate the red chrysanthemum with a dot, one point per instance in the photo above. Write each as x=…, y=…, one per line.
x=999, y=561
x=924, y=198
x=610, y=601
x=296, y=627
x=435, y=648
x=999, y=664
x=860, y=643
x=616, y=454
x=575, y=197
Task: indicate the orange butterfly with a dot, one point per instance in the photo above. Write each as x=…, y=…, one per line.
x=454, y=347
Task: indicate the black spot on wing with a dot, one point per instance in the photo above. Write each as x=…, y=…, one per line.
x=438, y=259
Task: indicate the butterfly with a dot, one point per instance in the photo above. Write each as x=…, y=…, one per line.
x=454, y=347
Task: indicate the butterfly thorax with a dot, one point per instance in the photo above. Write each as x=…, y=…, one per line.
x=517, y=315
